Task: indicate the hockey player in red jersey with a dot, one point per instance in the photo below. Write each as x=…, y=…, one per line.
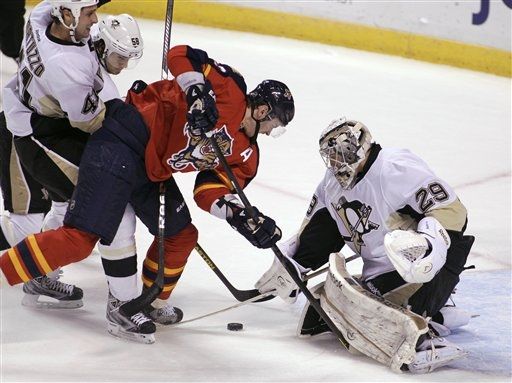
x=161, y=131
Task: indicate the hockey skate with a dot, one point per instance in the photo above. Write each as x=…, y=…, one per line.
x=137, y=328
x=163, y=313
x=434, y=352
x=62, y=295
x=450, y=318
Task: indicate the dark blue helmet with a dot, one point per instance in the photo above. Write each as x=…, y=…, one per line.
x=277, y=97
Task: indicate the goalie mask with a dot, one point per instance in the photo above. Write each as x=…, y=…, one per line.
x=118, y=43
x=343, y=146
x=279, y=100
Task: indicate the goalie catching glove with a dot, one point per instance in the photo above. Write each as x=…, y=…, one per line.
x=418, y=255
x=202, y=112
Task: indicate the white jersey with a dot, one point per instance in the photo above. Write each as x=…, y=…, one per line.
x=56, y=79
x=397, y=186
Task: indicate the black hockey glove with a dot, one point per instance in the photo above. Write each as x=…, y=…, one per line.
x=202, y=112
x=102, y=2
x=263, y=234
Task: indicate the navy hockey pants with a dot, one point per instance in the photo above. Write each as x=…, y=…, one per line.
x=112, y=174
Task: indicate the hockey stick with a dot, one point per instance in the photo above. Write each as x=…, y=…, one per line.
x=167, y=39
x=240, y=295
x=257, y=298
x=149, y=295
x=251, y=300
x=286, y=264
x=326, y=268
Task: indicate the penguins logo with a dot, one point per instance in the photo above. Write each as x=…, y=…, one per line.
x=199, y=152
x=356, y=218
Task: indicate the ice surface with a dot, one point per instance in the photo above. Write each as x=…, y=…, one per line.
x=459, y=121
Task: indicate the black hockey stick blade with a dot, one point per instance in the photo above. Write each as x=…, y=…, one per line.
x=143, y=300
x=149, y=295
x=240, y=295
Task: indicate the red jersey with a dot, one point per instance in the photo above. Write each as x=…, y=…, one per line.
x=173, y=148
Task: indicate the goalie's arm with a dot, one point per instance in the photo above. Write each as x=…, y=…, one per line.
x=318, y=238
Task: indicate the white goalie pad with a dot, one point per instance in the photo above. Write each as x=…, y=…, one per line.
x=374, y=326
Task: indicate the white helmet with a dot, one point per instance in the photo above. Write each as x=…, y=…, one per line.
x=75, y=6
x=343, y=146
x=119, y=35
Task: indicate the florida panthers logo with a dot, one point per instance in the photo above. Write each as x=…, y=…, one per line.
x=199, y=153
x=356, y=218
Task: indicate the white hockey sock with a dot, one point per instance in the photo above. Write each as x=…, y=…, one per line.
x=124, y=288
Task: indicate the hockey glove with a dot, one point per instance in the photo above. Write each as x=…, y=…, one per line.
x=278, y=279
x=262, y=232
x=202, y=112
x=418, y=255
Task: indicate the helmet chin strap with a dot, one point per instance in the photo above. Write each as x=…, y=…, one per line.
x=256, y=129
x=71, y=28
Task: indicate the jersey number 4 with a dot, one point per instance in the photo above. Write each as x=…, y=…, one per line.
x=90, y=103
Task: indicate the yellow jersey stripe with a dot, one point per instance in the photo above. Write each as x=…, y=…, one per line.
x=39, y=254
x=167, y=271
x=17, y=265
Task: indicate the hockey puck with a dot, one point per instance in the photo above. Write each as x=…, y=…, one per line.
x=235, y=326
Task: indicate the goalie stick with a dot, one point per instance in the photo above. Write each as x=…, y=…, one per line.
x=240, y=295
x=286, y=264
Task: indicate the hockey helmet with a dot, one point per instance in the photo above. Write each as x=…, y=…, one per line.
x=344, y=144
x=119, y=41
x=277, y=97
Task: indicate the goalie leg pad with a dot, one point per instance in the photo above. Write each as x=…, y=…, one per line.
x=376, y=327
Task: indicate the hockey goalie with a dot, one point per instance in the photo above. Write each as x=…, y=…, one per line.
x=408, y=227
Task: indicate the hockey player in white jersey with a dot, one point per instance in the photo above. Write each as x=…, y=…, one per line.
x=51, y=107
x=407, y=225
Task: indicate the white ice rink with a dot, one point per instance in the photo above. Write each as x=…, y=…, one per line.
x=459, y=121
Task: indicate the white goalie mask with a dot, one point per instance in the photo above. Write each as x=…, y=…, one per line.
x=75, y=6
x=118, y=42
x=343, y=146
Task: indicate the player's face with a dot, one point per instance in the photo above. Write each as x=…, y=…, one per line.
x=267, y=126
x=116, y=63
x=87, y=19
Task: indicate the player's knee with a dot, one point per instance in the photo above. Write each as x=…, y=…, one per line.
x=458, y=252
x=179, y=246
x=190, y=236
x=123, y=245
x=80, y=244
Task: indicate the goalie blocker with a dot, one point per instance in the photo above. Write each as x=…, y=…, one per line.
x=374, y=326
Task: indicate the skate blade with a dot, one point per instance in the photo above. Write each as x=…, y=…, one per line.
x=34, y=302
x=116, y=330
